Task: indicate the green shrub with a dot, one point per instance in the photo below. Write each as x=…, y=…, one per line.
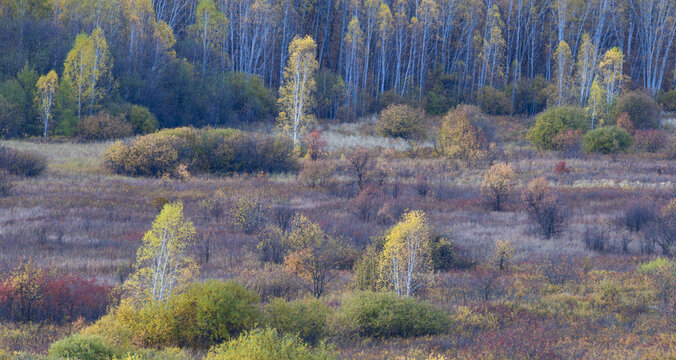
x=553, y=121
x=21, y=163
x=493, y=101
x=103, y=126
x=383, y=315
x=401, y=121
x=82, y=347
x=267, y=344
x=643, y=111
x=212, y=312
x=203, y=315
x=607, y=140
x=668, y=100
x=306, y=318
x=201, y=150
x=142, y=120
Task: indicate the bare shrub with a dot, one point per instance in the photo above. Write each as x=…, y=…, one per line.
x=360, y=164
x=367, y=203
x=544, y=207
x=248, y=214
x=595, y=238
x=21, y=163
x=273, y=281
x=558, y=270
x=637, y=216
x=316, y=173
x=6, y=184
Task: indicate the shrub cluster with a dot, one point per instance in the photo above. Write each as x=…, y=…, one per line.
x=607, y=140
x=550, y=123
x=463, y=134
x=493, y=101
x=21, y=163
x=32, y=294
x=668, y=100
x=650, y=140
x=200, y=150
x=103, y=126
x=383, y=315
x=268, y=344
x=203, y=315
x=307, y=319
x=643, y=111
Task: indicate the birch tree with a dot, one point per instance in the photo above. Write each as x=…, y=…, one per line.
x=295, y=95
x=610, y=73
x=209, y=29
x=586, y=68
x=163, y=263
x=562, y=71
x=405, y=263
x=46, y=88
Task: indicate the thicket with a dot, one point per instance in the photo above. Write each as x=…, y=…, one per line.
x=21, y=163
x=607, y=140
x=643, y=111
x=202, y=151
x=551, y=122
x=31, y=294
x=268, y=344
x=384, y=315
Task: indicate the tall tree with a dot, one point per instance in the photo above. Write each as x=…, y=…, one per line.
x=295, y=95
x=209, y=29
x=46, y=89
x=611, y=73
x=586, y=68
x=88, y=68
x=405, y=262
x=562, y=70
x=163, y=262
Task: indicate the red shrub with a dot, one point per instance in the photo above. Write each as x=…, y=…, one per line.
x=31, y=294
x=316, y=145
x=561, y=168
x=650, y=140
x=568, y=142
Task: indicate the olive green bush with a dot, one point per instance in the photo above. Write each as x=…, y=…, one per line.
x=401, y=121
x=553, y=121
x=306, y=318
x=607, y=140
x=142, y=120
x=203, y=315
x=643, y=111
x=268, y=344
x=83, y=347
x=384, y=315
x=668, y=100
x=202, y=151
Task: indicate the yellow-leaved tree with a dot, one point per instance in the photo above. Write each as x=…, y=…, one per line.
x=295, y=95
x=46, y=88
x=497, y=185
x=405, y=262
x=163, y=263
x=88, y=68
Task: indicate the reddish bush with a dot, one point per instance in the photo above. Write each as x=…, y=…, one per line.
x=316, y=145
x=568, y=142
x=650, y=140
x=561, y=168
x=624, y=122
x=31, y=294
x=367, y=203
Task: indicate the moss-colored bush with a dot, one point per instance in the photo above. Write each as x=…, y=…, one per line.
x=142, y=120
x=383, y=315
x=493, y=101
x=462, y=135
x=82, y=347
x=401, y=121
x=306, y=318
x=643, y=111
x=103, y=126
x=267, y=344
x=212, y=312
x=553, y=121
x=21, y=163
x=200, y=150
x=668, y=100
x=607, y=140
x=203, y=315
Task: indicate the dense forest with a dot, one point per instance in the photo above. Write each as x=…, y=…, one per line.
x=207, y=62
